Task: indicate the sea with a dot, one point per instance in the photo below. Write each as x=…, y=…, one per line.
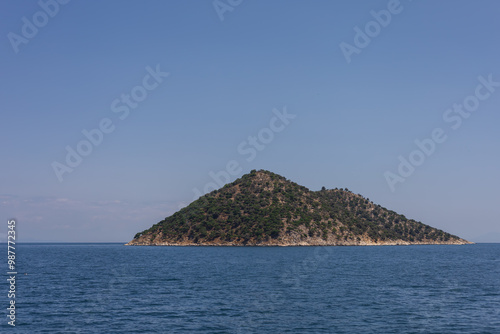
x=112, y=288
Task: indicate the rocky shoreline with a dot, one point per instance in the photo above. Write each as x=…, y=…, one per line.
x=304, y=243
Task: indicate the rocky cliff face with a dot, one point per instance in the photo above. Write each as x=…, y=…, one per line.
x=265, y=209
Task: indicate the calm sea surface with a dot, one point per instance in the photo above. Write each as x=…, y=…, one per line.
x=111, y=288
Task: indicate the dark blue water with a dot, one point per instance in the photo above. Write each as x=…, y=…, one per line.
x=110, y=288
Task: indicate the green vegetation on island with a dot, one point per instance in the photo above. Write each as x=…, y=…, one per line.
x=263, y=208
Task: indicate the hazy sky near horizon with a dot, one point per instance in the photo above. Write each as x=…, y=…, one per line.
x=325, y=93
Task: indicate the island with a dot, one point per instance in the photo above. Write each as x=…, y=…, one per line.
x=265, y=209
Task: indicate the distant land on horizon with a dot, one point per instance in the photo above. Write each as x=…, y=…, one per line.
x=265, y=209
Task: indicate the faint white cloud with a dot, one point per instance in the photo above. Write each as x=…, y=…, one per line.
x=65, y=219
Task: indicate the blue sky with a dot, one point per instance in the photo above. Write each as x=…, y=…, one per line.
x=353, y=120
